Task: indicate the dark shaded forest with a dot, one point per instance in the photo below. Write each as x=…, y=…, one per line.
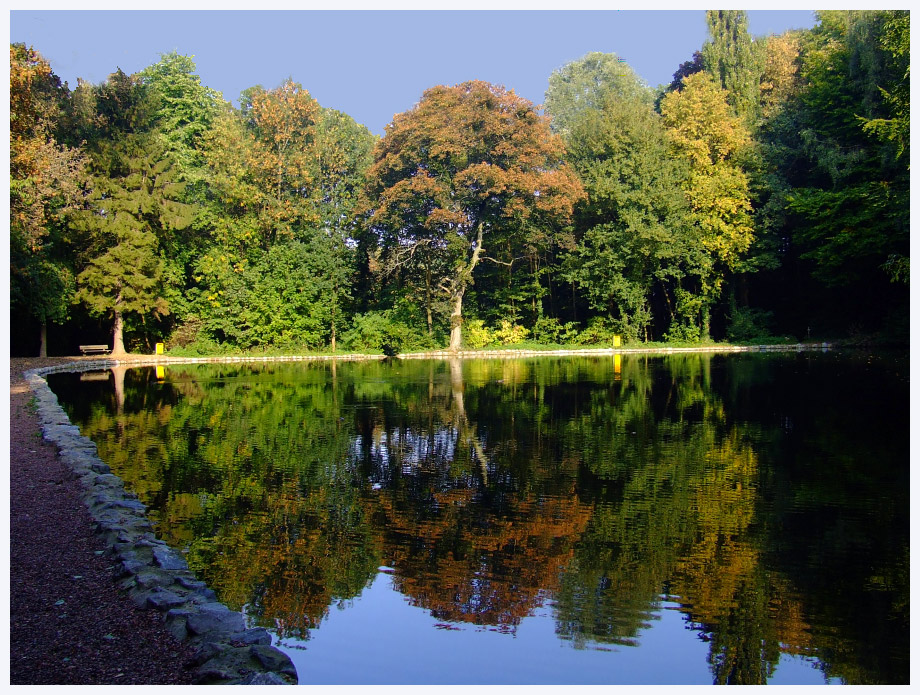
x=763, y=195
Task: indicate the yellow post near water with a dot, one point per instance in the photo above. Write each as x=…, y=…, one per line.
x=617, y=341
x=160, y=348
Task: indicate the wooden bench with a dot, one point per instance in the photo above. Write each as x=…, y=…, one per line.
x=93, y=349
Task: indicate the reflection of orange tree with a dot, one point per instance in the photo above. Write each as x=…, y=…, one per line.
x=476, y=532
x=468, y=563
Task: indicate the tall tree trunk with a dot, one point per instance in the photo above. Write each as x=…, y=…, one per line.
x=43, y=348
x=536, y=285
x=146, y=334
x=667, y=299
x=456, y=319
x=428, y=296
x=118, y=343
x=458, y=288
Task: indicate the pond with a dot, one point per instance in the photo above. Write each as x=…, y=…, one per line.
x=688, y=518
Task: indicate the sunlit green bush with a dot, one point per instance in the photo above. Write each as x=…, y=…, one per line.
x=476, y=334
x=748, y=323
x=598, y=332
x=550, y=331
x=508, y=334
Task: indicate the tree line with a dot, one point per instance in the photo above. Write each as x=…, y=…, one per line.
x=763, y=192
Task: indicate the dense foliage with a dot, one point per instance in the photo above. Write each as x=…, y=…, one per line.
x=764, y=191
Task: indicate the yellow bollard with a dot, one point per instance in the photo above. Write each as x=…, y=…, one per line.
x=616, y=341
x=160, y=348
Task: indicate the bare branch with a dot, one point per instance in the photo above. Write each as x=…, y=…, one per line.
x=404, y=254
x=495, y=260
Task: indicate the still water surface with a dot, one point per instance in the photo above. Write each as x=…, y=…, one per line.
x=680, y=519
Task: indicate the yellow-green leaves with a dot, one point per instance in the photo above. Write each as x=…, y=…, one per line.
x=709, y=136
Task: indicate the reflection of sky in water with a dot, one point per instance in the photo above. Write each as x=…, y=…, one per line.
x=409, y=448
x=411, y=648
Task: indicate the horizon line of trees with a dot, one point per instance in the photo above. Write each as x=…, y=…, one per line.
x=764, y=191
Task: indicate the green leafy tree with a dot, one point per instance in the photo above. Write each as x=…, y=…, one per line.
x=262, y=167
x=585, y=85
x=706, y=135
x=344, y=153
x=734, y=60
x=285, y=179
x=849, y=192
x=631, y=228
x=895, y=41
x=182, y=112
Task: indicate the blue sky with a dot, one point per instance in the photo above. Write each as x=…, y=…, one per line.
x=372, y=64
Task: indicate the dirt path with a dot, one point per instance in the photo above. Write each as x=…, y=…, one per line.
x=69, y=623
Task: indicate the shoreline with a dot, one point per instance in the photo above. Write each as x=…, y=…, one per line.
x=80, y=363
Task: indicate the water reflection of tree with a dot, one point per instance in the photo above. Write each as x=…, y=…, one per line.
x=474, y=534
x=675, y=498
x=251, y=477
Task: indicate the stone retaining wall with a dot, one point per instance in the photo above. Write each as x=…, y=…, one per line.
x=156, y=577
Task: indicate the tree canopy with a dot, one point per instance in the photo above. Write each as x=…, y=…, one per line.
x=763, y=192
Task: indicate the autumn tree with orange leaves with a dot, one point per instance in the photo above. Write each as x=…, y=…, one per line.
x=46, y=179
x=469, y=167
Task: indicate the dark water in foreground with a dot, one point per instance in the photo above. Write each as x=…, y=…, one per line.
x=685, y=519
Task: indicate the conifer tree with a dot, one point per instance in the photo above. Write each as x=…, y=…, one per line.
x=134, y=210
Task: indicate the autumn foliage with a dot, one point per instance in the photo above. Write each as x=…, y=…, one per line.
x=470, y=166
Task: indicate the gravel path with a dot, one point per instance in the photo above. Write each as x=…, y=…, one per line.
x=69, y=623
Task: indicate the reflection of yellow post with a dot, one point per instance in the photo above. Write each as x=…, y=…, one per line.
x=160, y=348
x=617, y=367
x=161, y=372
x=616, y=341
